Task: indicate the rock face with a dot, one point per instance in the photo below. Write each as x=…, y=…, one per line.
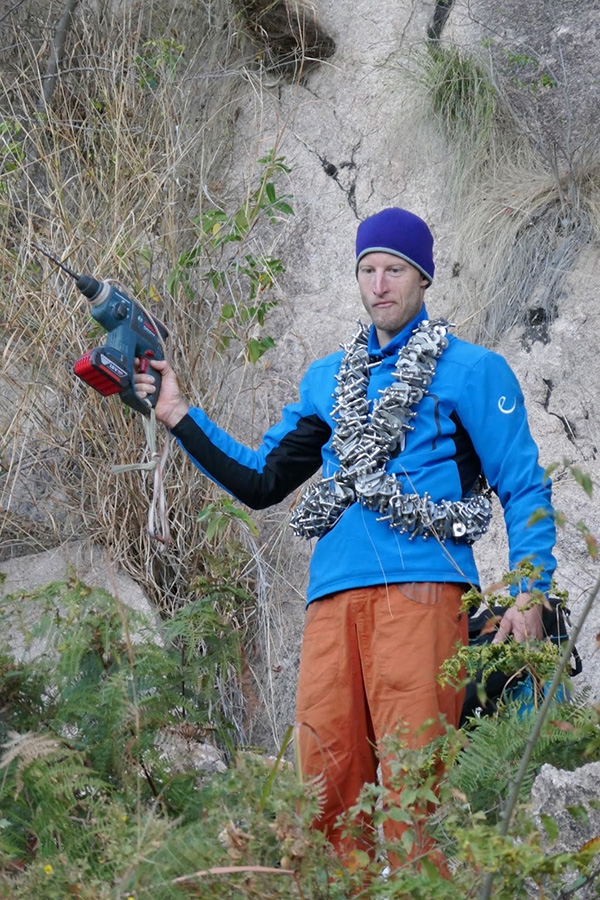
x=185, y=753
x=544, y=58
x=90, y=564
x=568, y=798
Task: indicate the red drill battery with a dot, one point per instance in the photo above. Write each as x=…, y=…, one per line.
x=103, y=369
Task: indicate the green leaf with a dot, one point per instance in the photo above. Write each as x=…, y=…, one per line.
x=408, y=796
x=408, y=839
x=256, y=348
x=550, y=827
x=481, y=694
x=242, y=516
x=190, y=258
x=275, y=163
x=362, y=858
x=217, y=278
x=430, y=797
x=430, y=869
x=209, y=219
x=218, y=515
x=592, y=545
x=172, y=282
x=583, y=479
x=399, y=815
x=270, y=192
x=213, y=528
x=538, y=516
x=579, y=812
x=241, y=223
x=590, y=540
x=284, y=208
x=227, y=311
x=253, y=350
x=287, y=739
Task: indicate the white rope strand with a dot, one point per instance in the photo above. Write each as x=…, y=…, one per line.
x=158, y=522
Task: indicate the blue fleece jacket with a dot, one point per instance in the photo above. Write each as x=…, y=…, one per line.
x=472, y=421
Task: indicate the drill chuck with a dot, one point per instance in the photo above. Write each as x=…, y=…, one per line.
x=90, y=287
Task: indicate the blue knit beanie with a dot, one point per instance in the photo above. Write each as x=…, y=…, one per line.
x=401, y=233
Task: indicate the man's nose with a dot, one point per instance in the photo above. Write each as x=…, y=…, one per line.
x=380, y=284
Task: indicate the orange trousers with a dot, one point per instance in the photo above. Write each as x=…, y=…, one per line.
x=369, y=666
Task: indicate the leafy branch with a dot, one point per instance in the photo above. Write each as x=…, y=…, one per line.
x=244, y=277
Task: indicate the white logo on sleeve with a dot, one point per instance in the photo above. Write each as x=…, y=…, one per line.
x=502, y=406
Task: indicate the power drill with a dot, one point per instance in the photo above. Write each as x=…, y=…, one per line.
x=132, y=332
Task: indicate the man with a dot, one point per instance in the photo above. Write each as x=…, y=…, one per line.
x=404, y=422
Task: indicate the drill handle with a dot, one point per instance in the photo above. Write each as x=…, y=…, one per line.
x=129, y=395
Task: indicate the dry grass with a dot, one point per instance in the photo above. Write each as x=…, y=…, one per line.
x=106, y=179
x=519, y=237
x=521, y=217
x=110, y=175
x=287, y=34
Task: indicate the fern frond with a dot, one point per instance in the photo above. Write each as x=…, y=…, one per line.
x=486, y=766
x=26, y=749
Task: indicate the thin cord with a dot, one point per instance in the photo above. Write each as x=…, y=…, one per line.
x=158, y=521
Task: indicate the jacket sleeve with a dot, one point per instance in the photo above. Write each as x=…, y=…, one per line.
x=290, y=452
x=492, y=408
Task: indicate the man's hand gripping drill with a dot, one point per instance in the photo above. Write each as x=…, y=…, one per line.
x=170, y=407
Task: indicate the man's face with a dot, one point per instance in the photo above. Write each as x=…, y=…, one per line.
x=392, y=292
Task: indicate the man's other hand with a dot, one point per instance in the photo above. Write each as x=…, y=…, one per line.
x=171, y=406
x=523, y=621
